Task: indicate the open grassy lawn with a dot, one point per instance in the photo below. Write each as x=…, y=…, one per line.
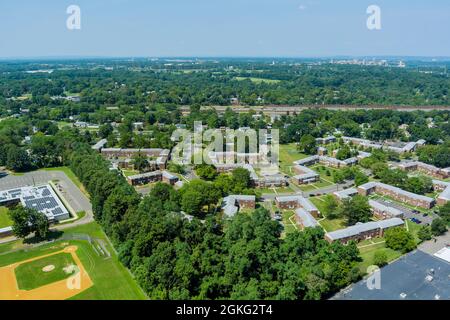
x=112, y=281
x=5, y=221
x=31, y=276
x=326, y=173
x=327, y=224
x=318, y=202
x=257, y=80
x=413, y=228
x=274, y=190
x=288, y=225
x=62, y=124
x=314, y=186
x=289, y=154
x=367, y=254
x=128, y=173
x=332, y=224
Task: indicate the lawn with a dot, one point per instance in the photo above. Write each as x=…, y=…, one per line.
x=413, y=228
x=288, y=225
x=258, y=80
x=315, y=186
x=332, y=224
x=367, y=254
x=112, y=281
x=327, y=224
x=5, y=221
x=31, y=276
x=128, y=173
x=289, y=154
x=271, y=190
x=326, y=173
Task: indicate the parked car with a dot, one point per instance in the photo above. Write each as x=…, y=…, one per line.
x=417, y=221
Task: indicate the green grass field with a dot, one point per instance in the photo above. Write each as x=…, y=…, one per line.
x=367, y=254
x=274, y=190
x=128, y=173
x=112, y=281
x=31, y=276
x=288, y=225
x=258, y=80
x=326, y=173
x=327, y=224
x=5, y=221
x=289, y=154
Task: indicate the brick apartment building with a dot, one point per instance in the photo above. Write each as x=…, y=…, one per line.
x=151, y=177
x=295, y=202
x=363, y=231
x=397, y=194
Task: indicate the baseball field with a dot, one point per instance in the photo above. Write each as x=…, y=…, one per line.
x=80, y=264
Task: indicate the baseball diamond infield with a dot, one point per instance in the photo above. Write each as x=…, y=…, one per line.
x=59, y=290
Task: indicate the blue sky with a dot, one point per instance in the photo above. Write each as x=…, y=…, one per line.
x=288, y=28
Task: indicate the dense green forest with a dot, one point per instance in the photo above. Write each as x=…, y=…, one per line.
x=106, y=83
x=245, y=258
x=207, y=257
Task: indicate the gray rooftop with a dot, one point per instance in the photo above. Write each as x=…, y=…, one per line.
x=364, y=227
x=415, y=276
x=307, y=219
x=230, y=207
x=100, y=144
x=396, y=190
x=383, y=208
x=346, y=193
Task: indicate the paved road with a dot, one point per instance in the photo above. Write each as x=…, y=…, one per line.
x=434, y=245
x=77, y=200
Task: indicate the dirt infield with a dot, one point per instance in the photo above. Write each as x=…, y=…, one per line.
x=59, y=290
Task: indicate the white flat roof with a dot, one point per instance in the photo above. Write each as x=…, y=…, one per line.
x=443, y=254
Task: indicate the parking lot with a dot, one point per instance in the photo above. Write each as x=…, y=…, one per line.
x=409, y=213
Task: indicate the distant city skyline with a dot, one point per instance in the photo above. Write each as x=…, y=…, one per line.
x=231, y=28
